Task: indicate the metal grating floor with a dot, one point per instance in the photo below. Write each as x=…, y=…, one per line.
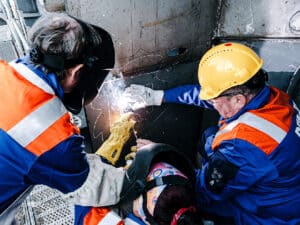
x=45, y=206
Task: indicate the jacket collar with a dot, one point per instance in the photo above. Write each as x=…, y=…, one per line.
x=50, y=78
x=257, y=102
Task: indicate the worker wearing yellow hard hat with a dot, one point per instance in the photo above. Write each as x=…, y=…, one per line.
x=225, y=66
x=250, y=158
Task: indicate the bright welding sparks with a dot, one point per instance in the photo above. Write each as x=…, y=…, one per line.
x=114, y=89
x=118, y=101
x=123, y=103
x=128, y=103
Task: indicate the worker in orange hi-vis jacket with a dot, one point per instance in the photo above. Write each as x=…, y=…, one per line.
x=64, y=69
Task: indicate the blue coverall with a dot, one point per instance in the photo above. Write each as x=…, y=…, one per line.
x=253, y=169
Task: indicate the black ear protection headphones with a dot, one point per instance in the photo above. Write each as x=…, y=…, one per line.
x=58, y=63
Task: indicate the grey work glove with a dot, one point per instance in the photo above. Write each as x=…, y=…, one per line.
x=139, y=96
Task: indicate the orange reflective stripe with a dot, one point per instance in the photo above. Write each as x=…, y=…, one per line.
x=102, y=216
x=25, y=111
x=59, y=131
x=261, y=140
x=35, y=123
x=280, y=110
x=95, y=215
x=111, y=218
x=259, y=123
x=264, y=130
x=18, y=97
x=29, y=75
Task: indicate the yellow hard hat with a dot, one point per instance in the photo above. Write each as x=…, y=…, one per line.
x=224, y=66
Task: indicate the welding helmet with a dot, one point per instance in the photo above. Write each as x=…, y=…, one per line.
x=224, y=66
x=136, y=183
x=97, y=59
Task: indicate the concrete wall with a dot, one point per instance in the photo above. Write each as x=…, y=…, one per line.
x=151, y=32
x=259, y=18
x=272, y=29
x=161, y=32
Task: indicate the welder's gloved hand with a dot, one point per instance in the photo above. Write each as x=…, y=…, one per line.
x=140, y=143
x=140, y=96
x=130, y=156
x=120, y=132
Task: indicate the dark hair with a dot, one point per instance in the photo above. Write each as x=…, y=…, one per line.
x=59, y=37
x=173, y=198
x=258, y=81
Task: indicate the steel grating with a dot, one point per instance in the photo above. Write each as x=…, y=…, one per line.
x=45, y=206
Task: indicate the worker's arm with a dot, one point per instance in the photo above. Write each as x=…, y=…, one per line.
x=233, y=168
x=103, y=185
x=185, y=94
x=140, y=96
x=86, y=179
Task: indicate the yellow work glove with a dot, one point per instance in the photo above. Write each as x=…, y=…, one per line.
x=120, y=132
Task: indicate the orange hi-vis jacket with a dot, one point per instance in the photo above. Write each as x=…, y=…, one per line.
x=103, y=216
x=33, y=120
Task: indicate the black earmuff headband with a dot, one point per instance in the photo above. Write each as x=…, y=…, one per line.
x=59, y=62
x=53, y=62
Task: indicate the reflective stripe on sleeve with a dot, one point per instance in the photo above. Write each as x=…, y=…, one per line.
x=34, y=124
x=258, y=123
x=31, y=77
x=110, y=219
